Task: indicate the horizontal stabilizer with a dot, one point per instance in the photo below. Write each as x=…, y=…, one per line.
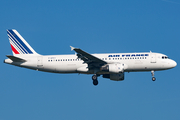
x=15, y=59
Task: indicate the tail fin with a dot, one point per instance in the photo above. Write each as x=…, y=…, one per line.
x=19, y=44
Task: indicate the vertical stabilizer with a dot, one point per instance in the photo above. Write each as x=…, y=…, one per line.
x=18, y=43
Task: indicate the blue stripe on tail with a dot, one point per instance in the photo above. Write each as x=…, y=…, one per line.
x=19, y=42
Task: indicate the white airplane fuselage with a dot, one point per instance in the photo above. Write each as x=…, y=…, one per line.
x=109, y=65
x=71, y=64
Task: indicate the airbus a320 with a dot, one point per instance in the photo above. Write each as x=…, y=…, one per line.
x=108, y=65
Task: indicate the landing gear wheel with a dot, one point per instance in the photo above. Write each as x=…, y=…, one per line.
x=95, y=82
x=153, y=78
x=94, y=77
x=152, y=73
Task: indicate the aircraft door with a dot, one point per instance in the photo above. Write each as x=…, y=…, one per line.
x=40, y=62
x=153, y=58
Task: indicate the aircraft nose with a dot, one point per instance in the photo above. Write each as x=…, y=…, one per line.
x=173, y=63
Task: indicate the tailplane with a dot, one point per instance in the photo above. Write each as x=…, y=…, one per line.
x=19, y=44
x=15, y=59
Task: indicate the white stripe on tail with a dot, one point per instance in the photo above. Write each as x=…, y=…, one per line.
x=19, y=44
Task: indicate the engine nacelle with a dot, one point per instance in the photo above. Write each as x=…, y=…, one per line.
x=115, y=77
x=113, y=68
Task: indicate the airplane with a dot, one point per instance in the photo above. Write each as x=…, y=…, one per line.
x=109, y=65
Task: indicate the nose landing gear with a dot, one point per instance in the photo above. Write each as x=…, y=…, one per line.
x=152, y=73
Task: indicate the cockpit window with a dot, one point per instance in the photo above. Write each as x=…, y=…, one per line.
x=165, y=57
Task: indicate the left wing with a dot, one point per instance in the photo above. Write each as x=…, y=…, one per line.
x=91, y=60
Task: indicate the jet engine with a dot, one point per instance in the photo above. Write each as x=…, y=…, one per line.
x=113, y=68
x=115, y=77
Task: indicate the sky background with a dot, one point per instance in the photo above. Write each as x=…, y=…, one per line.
x=96, y=26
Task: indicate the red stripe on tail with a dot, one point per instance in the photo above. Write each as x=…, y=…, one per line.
x=14, y=50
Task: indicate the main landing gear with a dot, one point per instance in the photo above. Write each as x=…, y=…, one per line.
x=152, y=73
x=95, y=81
